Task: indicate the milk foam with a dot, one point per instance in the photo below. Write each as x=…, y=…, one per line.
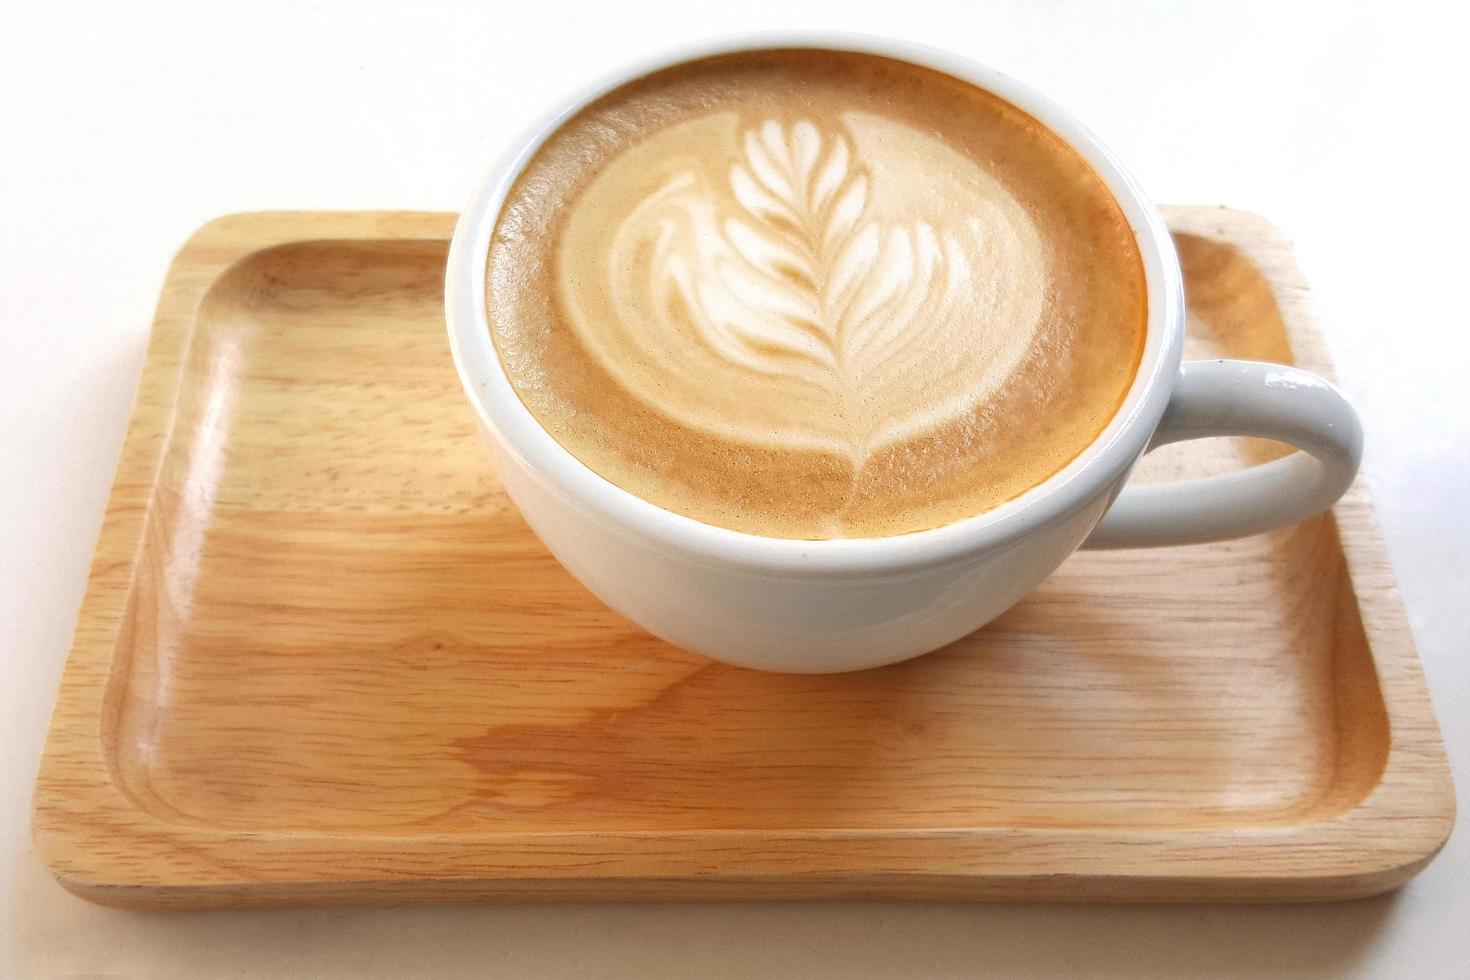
x=814, y=294
x=830, y=284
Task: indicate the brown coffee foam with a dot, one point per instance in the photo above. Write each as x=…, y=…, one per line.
x=1061, y=394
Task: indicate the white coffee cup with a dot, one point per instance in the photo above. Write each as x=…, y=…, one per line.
x=823, y=606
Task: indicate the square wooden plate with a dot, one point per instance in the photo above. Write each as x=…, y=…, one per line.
x=321, y=658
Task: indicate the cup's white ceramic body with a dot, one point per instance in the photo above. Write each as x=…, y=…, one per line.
x=821, y=606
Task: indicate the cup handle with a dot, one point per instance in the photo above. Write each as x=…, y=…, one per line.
x=1242, y=398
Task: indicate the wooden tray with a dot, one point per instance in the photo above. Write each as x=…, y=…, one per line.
x=321, y=659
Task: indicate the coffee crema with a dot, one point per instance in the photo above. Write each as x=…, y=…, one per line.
x=812, y=294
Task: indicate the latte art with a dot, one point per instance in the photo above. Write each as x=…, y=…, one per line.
x=800, y=269
x=814, y=294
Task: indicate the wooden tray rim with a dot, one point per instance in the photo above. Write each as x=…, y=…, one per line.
x=76, y=794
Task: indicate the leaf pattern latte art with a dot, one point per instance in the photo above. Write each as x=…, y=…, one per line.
x=862, y=313
x=802, y=275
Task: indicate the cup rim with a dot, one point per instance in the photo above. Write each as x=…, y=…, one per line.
x=1089, y=474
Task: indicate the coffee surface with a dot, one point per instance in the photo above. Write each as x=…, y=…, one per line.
x=815, y=294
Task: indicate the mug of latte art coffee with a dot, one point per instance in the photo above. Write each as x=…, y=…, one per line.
x=817, y=352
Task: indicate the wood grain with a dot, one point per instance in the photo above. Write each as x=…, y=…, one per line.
x=321, y=658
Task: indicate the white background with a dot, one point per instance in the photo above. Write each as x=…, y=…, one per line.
x=125, y=125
